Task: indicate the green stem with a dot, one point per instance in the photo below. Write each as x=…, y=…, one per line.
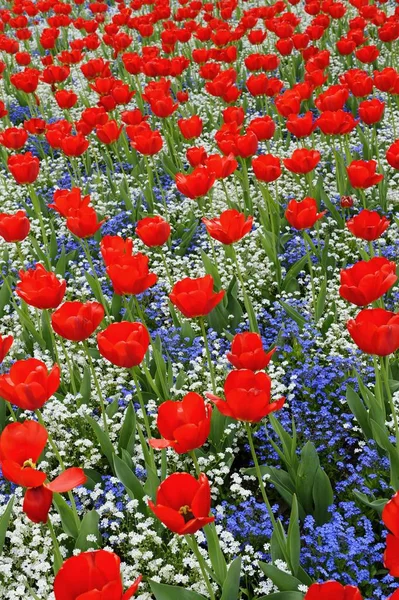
x=310, y=266
x=143, y=410
x=208, y=354
x=98, y=387
x=385, y=377
x=56, y=549
x=247, y=302
x=86, y=249
x=195, y=461
x=202, y=565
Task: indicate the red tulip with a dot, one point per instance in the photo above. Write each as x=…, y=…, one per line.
x=190, y=128
x=301, y=126
x=303, y=215
x=65, y=99
x=13, y=138
x=247, y=396
x=266, y=167
x=371, y=111
x=195, y=297
x=368, y=225
x=375, y=331
x=147, y=142
x=153, y=231
x=29, y=384
x=362, y=174
x=392, y=155
x=124, y=344
x=302, y=161
x=230, y=227
x=5, y=345
x=74, y=145
x=109, y=132
x=184, y=425
x=247, y=352
x=337, y=122
x=130, y=275
x=390, y=515
x=40, y=288
x=76, y=321
x=113, y=247
x=183, y=503
x=24, y=167
x=68, y=201
x=332, y=590
x=391, y=556
x=14, y=228
x=195, y=184
x=21, y=445
x=221, y=166
x=83, y=222
x=92, y=575
x=368, y=280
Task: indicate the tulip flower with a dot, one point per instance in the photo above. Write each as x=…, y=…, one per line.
x=5, y=345
x=390, y=517
x=375, y=331
x=124, y=344
x=195, y=184
x=184, y=425
x=76, y=321
x=247, y=396
x=21, y=445
x=367, y=281
x=99, y=577
x=40, y=288
x=230, y=227
x=195, y=297
x=368, y=225
x=83, y=222
x=332, y=590
x=392, y=155
x=302, y=161
x=362, y=174
x=130, y=274
x=183, y=503
x=14, y=228
x=29, y=384
x=153, y=231
x=303, y=214
x=266, y=167
x=24, y=167
x=113, y=248
x=69, y=201
x=247, y=352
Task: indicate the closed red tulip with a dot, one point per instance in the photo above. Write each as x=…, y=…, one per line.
x=367, y=280
x=93, y=575
x=109, y=132
x=247, y=396
x=65, y=99
x=83, y=222
x=148, y=142
x=24, y=167
x=371, y=111
x=40, y=288
x=392, y=155
x=368, y=225
x=301, y=126
x=332, y=590
x=195, y=184
x=195, y=297
x=230, y=227
x=76, y=321
x=29, y=384
x=375, y=331
x=362, y=174
x=190, y=128
x=303, y=214
x=153, y=231
x=74, y=145
x=390, y=517
x=337, y=122
x=185, y=425
x=183, y=503
x=13, y=138
x=221, y=166
x=131, y=275
x=113, y=247
x=302, y=161
x=391, y=556
x=14, y=228
x=124, y=344
x=5, y=345
x=266, y=167
x=247, y=352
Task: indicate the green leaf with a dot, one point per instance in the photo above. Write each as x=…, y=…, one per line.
x=231, y=586
x=323, y=497
x=103, y=439
x=66, y=513
x=284, y=581
x=293, y=271
x=89, y=526
x=85, y=386
x=127, y=432
x=162, y=591
x=132, y=484
x=4, y=522
x=321, y=300
x=377, y=505
x=294, y=314
x=93, y=283
x=294, y=538
x=215, y=553
x=305, y=476
x=359, y=411
x=4, y=297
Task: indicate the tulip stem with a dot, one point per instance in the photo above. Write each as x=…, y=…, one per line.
x=165, y=264
x=195, y=461
x=385, y=376
x=98, y=387
x=310, y=266
x=70, y=369
x=37, y=208
x=143, y=410
x=193, y=544
x=247, y=302
x=86, y=250
x=56, y=548
x=208, y=354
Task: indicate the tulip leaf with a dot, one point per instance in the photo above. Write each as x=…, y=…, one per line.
x=132, y=484
x=284, y=581
x=89, y=527
x=231, y=586
x=294, y=537
x=85, y=386
x=127, y=432
x=69, y=524
x=215, y=553
x=4, y=521
x=376, y=505
x=294, y=314
x=103, y=439
x=4, y=297
x=162, y=591
x=323, y=497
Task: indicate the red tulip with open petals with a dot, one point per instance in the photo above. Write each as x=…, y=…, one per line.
x=368, y=225
x=93, y=576
x=195, y=297
x=362, y=174
x=14, y=228
x=230, y=227
x=183, y=503
x=332, y=590
x=29, y=384
x=76, y=321
x=303, y=214
x=247, y=352
x=367, y=280
x=124, y=344
x=247, y=396
x=375, y=331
